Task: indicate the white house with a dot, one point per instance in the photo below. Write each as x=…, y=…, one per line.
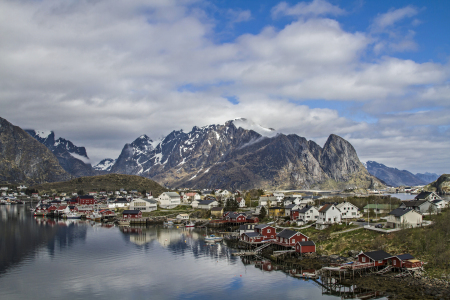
x=267, y=201
x=195, y=203
x=183, y=217
x=119, y=203
x=208, y=204
x=279, y=196
x=404, y=217
x=348, y=210
x=144, y=205
x=328, y=215
x=288, y=208
x=308, y=213
x=422, y=206
x=241, y=202
x=169, y=199
x=189, y=197
x=427, y=196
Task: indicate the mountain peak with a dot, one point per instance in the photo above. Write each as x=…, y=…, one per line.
x=251, y=125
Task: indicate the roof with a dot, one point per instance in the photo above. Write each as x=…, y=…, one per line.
x=206, y=202
x=398, y=212
x=290, y=206
x=405, y=256
x=261, y=226
x=217, y=209
x=172, y=194
x=276, y=207
x=437, y=201
x=305, y=209
x=325, y=207
x=87, y=197
x=377, y=255
x=131, y=212
x=191, y=194
x=290, y=198
x=422, y=195
x=306, y=243
x=287, y=233
x=246, y=227
x=270, y=198
x=121, y=200
x=377, y=206
x=413, y=203
x=252, y=234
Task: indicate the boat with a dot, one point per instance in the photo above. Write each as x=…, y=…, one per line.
x=168, y=223
x=213, y=238
x=72, y=215
x=94, y=216
x=190, y=224
x=123, y=222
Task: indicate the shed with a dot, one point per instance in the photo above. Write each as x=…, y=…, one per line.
x=305, y=247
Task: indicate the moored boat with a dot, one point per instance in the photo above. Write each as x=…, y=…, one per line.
x=190, y=224
x=72, y=215
x=213, y=238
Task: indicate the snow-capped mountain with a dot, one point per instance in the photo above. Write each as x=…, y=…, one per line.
x=72, y=158
x=105, y=165
x=234, y=155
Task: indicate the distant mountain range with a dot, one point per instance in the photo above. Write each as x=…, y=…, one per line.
x=395, y=177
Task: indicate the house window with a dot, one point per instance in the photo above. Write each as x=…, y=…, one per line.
x=395, y=262
x=380, y=261
x=268, y=230
x=363, y=259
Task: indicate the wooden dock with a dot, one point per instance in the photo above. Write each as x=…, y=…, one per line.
x=245, y=253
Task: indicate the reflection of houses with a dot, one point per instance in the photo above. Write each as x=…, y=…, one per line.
x=400, y=217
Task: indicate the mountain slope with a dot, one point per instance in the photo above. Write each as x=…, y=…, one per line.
x=25, y=160
x=230, y=156
x=440, y=185
x=72, y=158
x=427, y=177
x=393, y=176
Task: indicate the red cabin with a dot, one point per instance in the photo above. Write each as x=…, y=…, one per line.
x=289, y=237
x=252, y=220
x=305, y=247
x=252, y=237
x=268, y=232
x=237, y=217
x=86, y=200
x=379, y=258
x=132, y=214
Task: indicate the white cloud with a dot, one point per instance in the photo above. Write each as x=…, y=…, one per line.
x=314, y=8
x=102, y=74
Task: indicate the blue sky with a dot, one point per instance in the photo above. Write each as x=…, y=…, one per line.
x=102, y=73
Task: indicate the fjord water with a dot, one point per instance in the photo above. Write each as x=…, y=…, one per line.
x=56, y=259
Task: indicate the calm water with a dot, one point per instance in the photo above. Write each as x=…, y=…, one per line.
x=47, y=259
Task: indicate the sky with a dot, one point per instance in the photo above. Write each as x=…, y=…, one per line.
x=101, y=73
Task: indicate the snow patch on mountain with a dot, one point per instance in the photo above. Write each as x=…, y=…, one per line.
x=105, y=164
x=250, y=125
x=43, y=133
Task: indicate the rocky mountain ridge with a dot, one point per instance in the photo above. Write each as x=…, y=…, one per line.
x=72, y=158
x=229, y=156
x=24, y=159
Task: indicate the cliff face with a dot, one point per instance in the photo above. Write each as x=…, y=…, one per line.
x=25, y=160
x=441, y=185
x=226, y=156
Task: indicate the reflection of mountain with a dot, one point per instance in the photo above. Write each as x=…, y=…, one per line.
x=21, y=235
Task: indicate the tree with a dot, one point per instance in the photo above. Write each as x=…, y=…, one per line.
x=80, y=193
x=262, y=213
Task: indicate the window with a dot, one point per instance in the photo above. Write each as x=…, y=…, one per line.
x=395, y=262
x=380, y=261
x=268, y=230
x=363, y=259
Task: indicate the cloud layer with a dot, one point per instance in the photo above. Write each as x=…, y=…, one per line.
x=102, y=73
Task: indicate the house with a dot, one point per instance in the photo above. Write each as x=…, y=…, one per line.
x=422, y=206
x=267, y=231
x=279, y=196
x=246, y=228
x=144, y=205
x=92, y=193
x=240, y=201
x=427, y=196
x=169, y=200
x=288, y=208
x=252, y=237
x=398, y=261
x=378, y=258
x=440, y=204
x=252, y=219
x=305, y=247
x=306, y=214
x=348, y=210
x=404, y=217
x=189, y=197
x=267, y=201
x=328, y=215
x=106, y=212
x=183, y=217
x=378, y=208
x=119, y=203
x=236, y=217
x=289, y=237
x=132, y=214
x=207, y=204
x=194, y=203
x=217, y=212
x=86, y=200
x=275, y=212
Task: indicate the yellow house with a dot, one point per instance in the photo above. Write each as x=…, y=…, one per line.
x=217, y=212
x=275, y=212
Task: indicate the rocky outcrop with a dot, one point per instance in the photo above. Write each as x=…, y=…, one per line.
x=441, y=185
x=72, y=158
x=25, y=160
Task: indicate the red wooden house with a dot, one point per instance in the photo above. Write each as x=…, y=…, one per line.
x=267, y=231
x=236, y=217
x=132, y=214
x=379, y=257
x=289, y=237
x=405, y=261
x=252, y=237
x=305, y=247
x=252, y=220
x=86, y=200
x=106, y=212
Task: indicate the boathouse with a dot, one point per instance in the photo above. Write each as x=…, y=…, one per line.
x=289, y=237
x=379, y=257
x=267, y=231
x=235, y=217
x=132, y=214
x=252, y=237
x=398, y=260
x=305, y=247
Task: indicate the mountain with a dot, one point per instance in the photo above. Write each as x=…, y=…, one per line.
x=234, y=157
x=72, y=158
x=393, y=176
x=441, y=185
x=25, y=160
x=427, y=177
x=109, y=182
x=105, y=165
